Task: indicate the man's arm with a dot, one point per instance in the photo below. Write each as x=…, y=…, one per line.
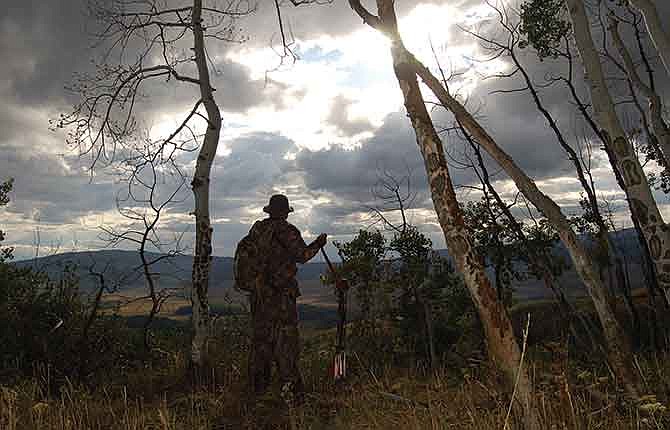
x=300, y=251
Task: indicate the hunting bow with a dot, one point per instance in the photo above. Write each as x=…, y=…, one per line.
x=341, y=288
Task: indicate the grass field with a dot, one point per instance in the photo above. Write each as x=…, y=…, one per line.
x=573, y=388
x=316, y=307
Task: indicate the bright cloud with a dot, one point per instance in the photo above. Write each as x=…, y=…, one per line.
x=356, y=66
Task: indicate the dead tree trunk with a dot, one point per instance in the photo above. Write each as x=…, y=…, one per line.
x=200, y=184
x=501, y=342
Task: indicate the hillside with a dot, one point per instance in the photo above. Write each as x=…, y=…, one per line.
x=124, y=267
x=175, y=272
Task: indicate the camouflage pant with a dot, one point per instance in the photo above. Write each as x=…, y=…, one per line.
x=274, y=340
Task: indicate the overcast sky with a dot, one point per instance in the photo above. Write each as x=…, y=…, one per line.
x=318, y=130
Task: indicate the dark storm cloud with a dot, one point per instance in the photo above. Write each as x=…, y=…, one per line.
x=240, y=92
x=42, y=43
x=351, y=173
x=46, y=188
x=236, y=92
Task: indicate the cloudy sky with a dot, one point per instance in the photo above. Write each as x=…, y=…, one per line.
x=320, y=129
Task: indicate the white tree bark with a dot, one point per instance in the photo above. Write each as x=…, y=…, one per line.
x=658, y=35
x=658, y=124
x=619, y=350
x=200, y=185
x=643, y=207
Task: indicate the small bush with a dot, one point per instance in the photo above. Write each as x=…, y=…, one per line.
x=43, y=329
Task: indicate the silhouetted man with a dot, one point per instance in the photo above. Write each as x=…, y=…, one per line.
x=274, y=312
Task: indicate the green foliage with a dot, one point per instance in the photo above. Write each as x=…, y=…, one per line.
x=541, y=239
x=512, y=256
x=362, y=257
x=37, y=315
x=411, y=282
x=431, y=296
x=407, y=294
x=412, y=245
x=455, y=316
x=43, y=328
x=363, y=253
x=495, y=240
x=544, y=25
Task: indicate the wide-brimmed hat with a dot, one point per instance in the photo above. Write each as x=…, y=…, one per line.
x=278, y=204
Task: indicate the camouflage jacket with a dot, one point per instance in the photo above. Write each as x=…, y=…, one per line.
x=286, y=250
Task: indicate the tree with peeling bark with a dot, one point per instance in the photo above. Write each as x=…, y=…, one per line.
x=656, y=127
x=144, y=43
x=643, y=206
x=407, y=68
x=546, y=29
x=502, y=345
x=619, y=350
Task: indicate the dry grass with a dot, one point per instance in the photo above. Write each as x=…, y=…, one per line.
x=162, y=397
x=466, y=394
x=130, y=304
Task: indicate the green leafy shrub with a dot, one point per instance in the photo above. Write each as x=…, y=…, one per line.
x=45, y=330
x=432, y=299
x=407, y=295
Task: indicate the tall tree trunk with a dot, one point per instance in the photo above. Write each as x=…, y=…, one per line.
x=648, y=270
x=642, y=204
x=648, y=262
x=661, y=131
x=200, y=185
x=619, y=350
x=655, y=29
x=499, y=333
x=501, y=342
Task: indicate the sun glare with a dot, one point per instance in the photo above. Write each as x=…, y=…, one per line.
x=358, y=67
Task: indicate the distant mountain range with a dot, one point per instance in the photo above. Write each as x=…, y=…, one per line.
x=124, y=267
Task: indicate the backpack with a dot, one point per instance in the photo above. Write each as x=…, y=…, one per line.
x=250, y=262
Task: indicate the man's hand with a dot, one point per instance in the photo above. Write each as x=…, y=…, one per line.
x=321, y=240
